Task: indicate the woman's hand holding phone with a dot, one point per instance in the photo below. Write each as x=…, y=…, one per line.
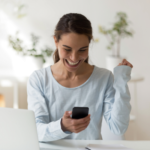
x=74, y=125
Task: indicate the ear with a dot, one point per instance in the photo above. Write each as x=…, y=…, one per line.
x=55, y=40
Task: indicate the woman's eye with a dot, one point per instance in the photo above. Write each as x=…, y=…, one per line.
x=83, y=50
x=79, y=50
x=67, y=49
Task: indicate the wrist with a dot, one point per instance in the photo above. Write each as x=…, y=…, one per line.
x=62, y=127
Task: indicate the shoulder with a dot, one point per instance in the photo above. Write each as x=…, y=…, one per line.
x=41, y=72
x=101, y=75
x=38, y=79
x=102, y=72
x=40, y=76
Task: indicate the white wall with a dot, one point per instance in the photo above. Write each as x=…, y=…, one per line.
x=42, y=16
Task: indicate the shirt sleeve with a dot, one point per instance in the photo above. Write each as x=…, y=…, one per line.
x=116, y=104
x=47, y=131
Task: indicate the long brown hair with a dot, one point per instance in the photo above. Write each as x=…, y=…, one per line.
x=72, y=22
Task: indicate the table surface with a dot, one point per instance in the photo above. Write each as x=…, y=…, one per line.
x=80, y=144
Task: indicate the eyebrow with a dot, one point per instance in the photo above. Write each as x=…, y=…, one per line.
x=71, y=48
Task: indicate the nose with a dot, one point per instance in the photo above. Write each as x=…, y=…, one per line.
x=74, y=57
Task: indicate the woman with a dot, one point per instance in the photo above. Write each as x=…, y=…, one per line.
x=71, y=81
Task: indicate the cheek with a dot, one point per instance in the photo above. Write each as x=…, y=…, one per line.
x=84, y=55
x=62, y=54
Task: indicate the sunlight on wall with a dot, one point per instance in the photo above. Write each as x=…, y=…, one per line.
x=6, y=83
x=21, y=66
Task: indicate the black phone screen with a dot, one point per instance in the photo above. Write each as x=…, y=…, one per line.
x=80, y=112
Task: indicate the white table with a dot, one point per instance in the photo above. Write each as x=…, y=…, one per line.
x=80, y=144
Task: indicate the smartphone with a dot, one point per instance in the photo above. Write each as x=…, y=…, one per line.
x=80, y=112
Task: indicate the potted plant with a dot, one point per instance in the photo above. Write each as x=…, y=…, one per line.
x=32, y=56
x=118, y=31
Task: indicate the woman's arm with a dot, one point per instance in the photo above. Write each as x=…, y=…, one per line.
x=47, y=131
x=116, y=104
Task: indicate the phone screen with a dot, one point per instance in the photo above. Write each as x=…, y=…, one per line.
x=80, y=112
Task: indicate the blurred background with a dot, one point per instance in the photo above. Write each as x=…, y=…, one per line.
x=26, y=44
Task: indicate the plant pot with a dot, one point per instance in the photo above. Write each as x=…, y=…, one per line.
x=32, y=63
x=25, y=65
x=112, y=62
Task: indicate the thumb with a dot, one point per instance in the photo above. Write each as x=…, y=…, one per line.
x=67, y=114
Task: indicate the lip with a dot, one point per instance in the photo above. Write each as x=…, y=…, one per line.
x=74, y=65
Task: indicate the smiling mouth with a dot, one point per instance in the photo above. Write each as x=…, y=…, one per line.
x=72, y=64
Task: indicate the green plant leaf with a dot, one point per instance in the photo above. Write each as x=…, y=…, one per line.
x=118, y=30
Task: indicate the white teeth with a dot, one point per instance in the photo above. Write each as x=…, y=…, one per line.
x=70, y=63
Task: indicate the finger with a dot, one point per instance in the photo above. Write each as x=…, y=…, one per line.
x=77, y=122
x=124, y=62
x=128, y=64
x=67, y=114
x=82, y=120
x=82, y=127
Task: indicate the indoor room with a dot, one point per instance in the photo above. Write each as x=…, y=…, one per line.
x=44, y=71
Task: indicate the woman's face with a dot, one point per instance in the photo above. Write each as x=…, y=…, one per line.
x=73, y=50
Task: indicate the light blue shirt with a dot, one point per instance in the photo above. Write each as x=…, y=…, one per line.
x=104, y=93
